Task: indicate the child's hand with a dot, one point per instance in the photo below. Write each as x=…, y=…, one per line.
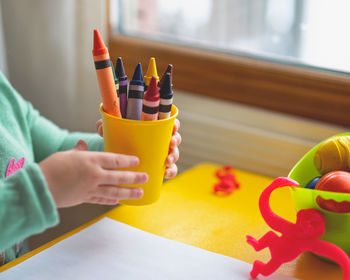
x=173, y=156
x=77, y=176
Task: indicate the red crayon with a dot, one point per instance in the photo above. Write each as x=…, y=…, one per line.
x=151, y=99
x=105, y=76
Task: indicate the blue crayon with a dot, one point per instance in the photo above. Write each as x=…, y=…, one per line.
x=123, y=86
x=166, y=97
x=136, y=90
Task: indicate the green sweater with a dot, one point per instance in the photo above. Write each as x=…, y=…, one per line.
x=26, y=204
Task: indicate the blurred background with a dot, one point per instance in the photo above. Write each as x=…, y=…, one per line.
x=308, y=32
x=45, y=51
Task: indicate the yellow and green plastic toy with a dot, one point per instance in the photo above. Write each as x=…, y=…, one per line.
x=337, y=224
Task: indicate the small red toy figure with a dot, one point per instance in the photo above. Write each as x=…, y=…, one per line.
x=295, y=239
x=227, y=178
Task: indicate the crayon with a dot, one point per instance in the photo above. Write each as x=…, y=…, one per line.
x=169, y=69
x=166, y=98
x=116, y=82
x=150, y=106
x=123, y=85
x=151, y=72
x=105, y=76
x=136, y=89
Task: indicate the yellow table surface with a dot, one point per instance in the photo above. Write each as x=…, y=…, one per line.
x=190, y=212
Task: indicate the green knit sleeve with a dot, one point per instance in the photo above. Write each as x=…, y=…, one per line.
x=42, y=135
x=26, y=206
x=48, y=138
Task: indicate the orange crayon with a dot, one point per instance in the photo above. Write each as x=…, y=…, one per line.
x=105, y=76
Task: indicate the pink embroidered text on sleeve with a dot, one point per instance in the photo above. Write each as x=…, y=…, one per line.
x=13, y=166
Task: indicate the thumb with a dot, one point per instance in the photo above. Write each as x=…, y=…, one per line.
x=80, y=146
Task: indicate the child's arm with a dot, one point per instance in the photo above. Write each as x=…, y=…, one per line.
x=43, y=136
x=26, y=205
x=29, y=197
x=48, y=138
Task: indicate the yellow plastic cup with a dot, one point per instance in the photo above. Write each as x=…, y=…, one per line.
x=149, y=141
x=337, y=224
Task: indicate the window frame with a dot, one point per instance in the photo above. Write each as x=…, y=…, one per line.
x=297, y=91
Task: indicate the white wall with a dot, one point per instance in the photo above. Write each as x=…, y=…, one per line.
x=49, y=45
x=3, y=60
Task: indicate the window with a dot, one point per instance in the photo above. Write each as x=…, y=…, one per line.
x=278, y=55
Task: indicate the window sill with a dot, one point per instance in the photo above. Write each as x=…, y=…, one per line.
x=293, y=90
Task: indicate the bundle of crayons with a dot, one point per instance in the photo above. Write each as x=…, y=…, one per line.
x=147, y=99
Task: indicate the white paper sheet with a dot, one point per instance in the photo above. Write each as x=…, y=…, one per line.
x=112, y=250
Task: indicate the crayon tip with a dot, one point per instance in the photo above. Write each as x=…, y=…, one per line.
x=137, y=73
x=151, y=71
x=152, y=93
x=119, y=68
x=99, y=45
x=166, y=89
x=169, y=69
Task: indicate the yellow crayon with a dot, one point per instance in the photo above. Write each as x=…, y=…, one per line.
x=151, y=72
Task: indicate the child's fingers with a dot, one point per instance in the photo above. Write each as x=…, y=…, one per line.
x=102, y=200
x=175, y=140
x=112, y=177
x=100, y=131
x=117, y=193
x=98, y=124
x=172, y=157
x=99, y=127
x=176, y=126
x=170, y=172
x=117, y=161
